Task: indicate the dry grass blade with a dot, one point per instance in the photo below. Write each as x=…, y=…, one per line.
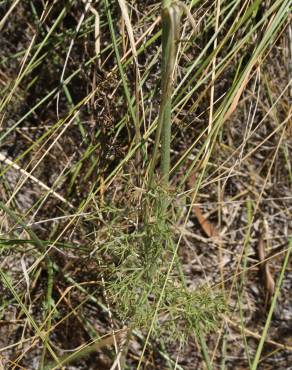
x=86, y=350
x=6, y=16
x=34, y=179
x=129, y=27
x=237, y=326
x=138, y=90
x=209, y=229
x=96, y=30
x=238, y=93
x=265, y=271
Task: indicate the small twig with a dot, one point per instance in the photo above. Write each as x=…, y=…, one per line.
x=265, y=270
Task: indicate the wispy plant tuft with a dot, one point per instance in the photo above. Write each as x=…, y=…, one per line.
x=136, y=263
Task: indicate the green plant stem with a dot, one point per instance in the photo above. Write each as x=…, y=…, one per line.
x=204, y=349
x=166, y=3
x=170, y=32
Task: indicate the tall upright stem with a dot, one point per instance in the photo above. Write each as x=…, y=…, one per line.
x=167, y=66
x=170, y=23
x=166, y=3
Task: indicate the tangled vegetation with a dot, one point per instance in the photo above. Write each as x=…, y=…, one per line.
x=145, y=184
